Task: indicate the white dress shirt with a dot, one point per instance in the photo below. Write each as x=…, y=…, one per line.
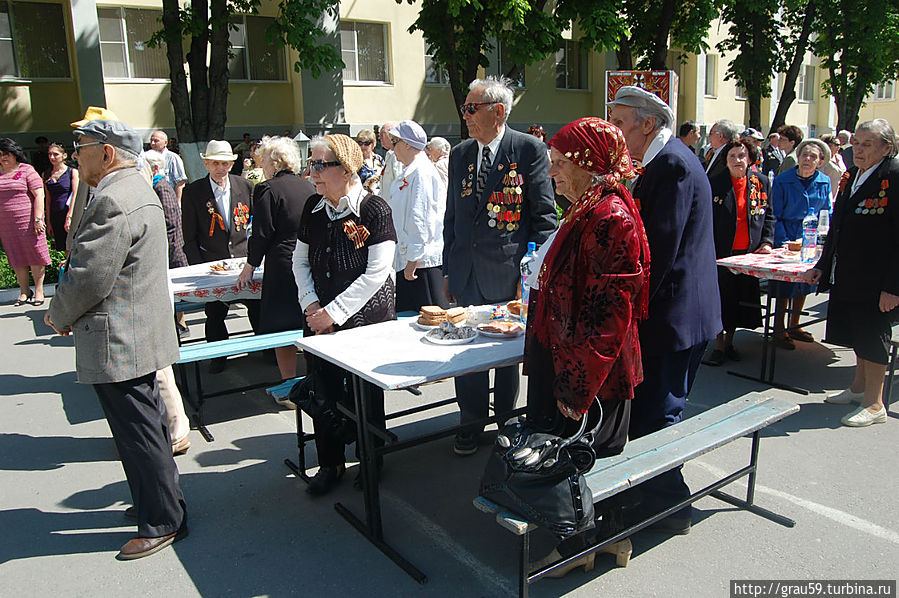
x=862, y=177
x=223, y=200
x=494, y=147
x=378, y=268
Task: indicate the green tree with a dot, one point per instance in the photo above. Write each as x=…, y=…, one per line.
x=755, y=37
x=858, y=44
x=201, y=113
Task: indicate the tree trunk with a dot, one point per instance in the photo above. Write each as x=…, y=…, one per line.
x=755, y=110
x=178, y=89
x=218, y=71
x=789, y=90
x=660, y=39
x=196, y=61
x=624, y=56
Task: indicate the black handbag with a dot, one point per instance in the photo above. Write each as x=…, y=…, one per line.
x=308, y=395
x=540, y=476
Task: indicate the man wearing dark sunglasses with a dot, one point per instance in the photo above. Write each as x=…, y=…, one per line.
x=499, y=197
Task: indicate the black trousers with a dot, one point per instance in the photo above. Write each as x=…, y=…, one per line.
x=473, y=390
x=137, y=418
x=427, y=289
x=338, y=387
x=217, y=311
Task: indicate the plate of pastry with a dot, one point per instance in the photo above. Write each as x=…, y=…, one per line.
x=501, y=329
x=431, y=316
x=447, y=333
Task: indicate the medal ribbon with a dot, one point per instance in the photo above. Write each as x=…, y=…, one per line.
x=356, y=233
x=216, y=215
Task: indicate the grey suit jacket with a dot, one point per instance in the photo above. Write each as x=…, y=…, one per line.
x=114, y=294
x=470, y=243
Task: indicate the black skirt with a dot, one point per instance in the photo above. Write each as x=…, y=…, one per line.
x=862, y=327
x=740, y=303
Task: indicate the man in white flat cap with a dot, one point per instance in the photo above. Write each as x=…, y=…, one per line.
x=213, y=212
x=417, y=203
x=675, y=202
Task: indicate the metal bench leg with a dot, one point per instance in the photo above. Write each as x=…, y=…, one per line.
x=201, y=421
x=747, y=504
x=524, y=565
x=299, y=468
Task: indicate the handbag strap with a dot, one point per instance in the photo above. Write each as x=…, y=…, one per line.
x=582, y=430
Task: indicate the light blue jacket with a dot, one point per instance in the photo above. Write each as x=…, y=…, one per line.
x=791, y=201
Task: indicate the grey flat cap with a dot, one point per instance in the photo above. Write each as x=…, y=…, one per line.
x=113, y=132
x=755, y=134
x=637, y=97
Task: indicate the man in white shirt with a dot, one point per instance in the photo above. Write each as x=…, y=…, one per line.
x=174, y=166
x=392, y=168
x=723, y=132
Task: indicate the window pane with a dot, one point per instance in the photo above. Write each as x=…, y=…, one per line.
x=506, y=64
x=371, y=51
x=266, y=62
x=145, y=62
x=433, y=73
x=809, y=91
x=7, y=62
x=237, y=33
x=237, y=63
x=560, y=69
x=110, y=20
x=583, y=71
x=348, y=51
x=41, y=55
x=113, y=56
x=5, y=32
x=711, y=73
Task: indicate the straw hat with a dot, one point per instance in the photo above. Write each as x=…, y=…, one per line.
x=219, y=150
x=346, y=150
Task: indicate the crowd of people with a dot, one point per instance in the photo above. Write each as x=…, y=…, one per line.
x=620, y=308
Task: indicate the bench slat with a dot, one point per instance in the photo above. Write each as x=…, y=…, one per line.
x=613, y=475
x=235, y=346
x=281, y=391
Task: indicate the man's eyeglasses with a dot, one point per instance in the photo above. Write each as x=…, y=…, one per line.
x=364, y=143
x=78, y=146
x=320, y=165
x=472, y=107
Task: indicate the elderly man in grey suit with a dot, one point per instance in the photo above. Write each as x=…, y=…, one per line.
x=499, y=197
x=114, y=298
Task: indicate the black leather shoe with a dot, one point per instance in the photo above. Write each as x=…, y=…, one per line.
x=716, y=358
x=325, y=480
x=217, y=365
x=679, y=526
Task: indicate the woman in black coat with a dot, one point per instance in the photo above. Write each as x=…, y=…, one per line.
x=743, y=223
x=278, y=204
x=860, y=267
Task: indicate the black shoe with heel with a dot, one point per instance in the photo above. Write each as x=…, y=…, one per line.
x=325, y=480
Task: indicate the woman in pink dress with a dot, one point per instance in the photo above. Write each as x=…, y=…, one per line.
x=22, y=228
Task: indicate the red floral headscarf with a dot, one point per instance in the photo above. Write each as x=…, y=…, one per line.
x=598, y=147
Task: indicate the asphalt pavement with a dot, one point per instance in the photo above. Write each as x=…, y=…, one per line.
x=255, y=532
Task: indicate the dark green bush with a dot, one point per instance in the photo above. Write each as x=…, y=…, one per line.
x=8, y=277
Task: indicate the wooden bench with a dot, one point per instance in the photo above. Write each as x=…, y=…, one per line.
x=196, y=353
x=662, y=451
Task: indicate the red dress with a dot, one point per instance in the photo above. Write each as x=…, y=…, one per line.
x=589, y=304
x=23, y=248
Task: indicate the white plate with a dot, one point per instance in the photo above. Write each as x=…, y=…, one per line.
x=231, y=272
x=489, y=334
x=424, y=327
x=450, y=341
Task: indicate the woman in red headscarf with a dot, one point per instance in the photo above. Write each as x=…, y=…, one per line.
x=592, y=289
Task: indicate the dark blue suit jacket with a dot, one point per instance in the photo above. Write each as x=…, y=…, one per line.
x=676, y=206
x=470, y=245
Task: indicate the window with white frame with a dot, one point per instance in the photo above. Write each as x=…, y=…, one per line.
x=123, y=43
x=740, y=92
x=502, y=63
x=363, y=47
x=434, y=73
x=884, y=92
x=571, y=66
x=26, y=51
x=805, y=83
x=711, y=75
x=252, y=58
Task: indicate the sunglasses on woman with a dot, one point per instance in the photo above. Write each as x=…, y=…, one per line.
x=472, y=107
x=320, y=165
x=364, y=143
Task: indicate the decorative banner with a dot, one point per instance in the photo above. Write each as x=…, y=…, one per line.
x=662, y=83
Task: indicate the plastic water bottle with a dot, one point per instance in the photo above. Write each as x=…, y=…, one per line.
x=771, y=176
x=823, y=229
x=809, y=237
x=250, y=227
x=527, y=263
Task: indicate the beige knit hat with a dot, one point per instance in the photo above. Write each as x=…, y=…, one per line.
x=347, y=151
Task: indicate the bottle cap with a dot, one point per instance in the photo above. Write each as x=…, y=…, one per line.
x=532, y=246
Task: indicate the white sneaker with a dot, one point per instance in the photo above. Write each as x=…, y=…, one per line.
x=845, y=397
x=861, y=417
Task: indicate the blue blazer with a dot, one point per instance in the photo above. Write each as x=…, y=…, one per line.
x=790, y=201
x=676, y=206
x=492, y=253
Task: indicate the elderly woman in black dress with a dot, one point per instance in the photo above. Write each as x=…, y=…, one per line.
x=278, y=203
x=343, y=265
x=860, y=267
x=744, y=223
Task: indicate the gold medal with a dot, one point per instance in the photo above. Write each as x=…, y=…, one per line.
x=499, y=224
x=517, y=190
x=496, y=209
x=489, y=207
x=512, y=173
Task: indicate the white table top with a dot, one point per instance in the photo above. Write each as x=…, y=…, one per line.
x=196, y=283
x=395, y=355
